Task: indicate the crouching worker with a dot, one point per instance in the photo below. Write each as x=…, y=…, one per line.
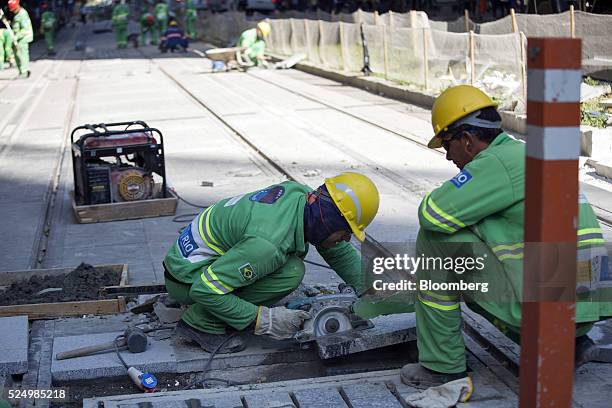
x=173, y=38
x=254, y=40
x=239, y=257
x=479, y=214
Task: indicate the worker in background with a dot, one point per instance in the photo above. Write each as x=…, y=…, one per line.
x=147, y=29
x=191, y=15
x=239, y=257
x=174, y=38
x=22, y=29
x=254, y=40
x=6, y=48
x=479, y=213
x=161, y=16
x=47, y=27
x=121, y=14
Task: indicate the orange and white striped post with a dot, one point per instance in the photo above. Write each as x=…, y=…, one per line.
x=551, y=217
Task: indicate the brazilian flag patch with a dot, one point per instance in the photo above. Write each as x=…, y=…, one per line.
x=247, y=272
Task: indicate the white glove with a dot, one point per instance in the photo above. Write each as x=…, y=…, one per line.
x=443, y=396
x=279, y=322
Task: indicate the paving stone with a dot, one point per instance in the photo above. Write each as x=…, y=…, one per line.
x=601, y=334
x=13, y=345
x=370, y=396
x=319, y=398
x=387, y=330
x=278, y=399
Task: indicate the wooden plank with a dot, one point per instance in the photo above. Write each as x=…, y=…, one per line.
x=157, y=207
x=51, y=310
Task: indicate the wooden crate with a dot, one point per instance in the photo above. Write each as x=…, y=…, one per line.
x=157, y=207
x=36, y=311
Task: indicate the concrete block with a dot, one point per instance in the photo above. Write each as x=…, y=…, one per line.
x=319, y=398
x=387, y=331
x=13, y=345
x=279, y=399
x=602, y=168
x=159, y=357
x=595, y=143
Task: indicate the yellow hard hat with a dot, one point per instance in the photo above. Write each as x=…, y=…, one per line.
x=356, y=197
x=264, y=27
x=453, y=104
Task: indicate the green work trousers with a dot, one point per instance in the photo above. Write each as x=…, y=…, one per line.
x=263, y=292
x=121, y=35
x=189, y=25
x=148, y=32
x=162, y=26
x=49, y=35
x=438, y=313
x=6, y=48
x=22, y=56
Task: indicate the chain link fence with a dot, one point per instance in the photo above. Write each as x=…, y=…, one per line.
x=419, y=53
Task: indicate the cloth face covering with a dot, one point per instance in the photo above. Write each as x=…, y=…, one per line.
x=321, y=217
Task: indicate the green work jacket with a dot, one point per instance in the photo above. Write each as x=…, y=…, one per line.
x=47, y=21
x=121, y=15
x=487, y=197
x=22, y=26
x=244, y=238
x=161, y=11
x=190, y=9
x=255, y=46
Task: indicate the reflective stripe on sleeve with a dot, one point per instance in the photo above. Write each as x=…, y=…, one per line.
x=212, y=281
x=205, y=231
x=438, y=217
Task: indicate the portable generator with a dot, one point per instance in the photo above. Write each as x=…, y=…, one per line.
x=117, y=162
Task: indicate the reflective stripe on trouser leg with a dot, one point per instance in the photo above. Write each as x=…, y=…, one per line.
x=438, y=315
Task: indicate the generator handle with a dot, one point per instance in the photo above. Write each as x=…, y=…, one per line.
x=95, y=128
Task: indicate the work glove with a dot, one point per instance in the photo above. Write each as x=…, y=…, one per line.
x=279, y=322
x=443, y=396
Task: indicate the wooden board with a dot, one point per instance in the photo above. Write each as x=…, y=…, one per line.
x=58, y=309
x=86, y=214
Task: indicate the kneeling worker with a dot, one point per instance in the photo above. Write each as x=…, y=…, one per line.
x=479, y=213
x=239, y=257
x=254, y=40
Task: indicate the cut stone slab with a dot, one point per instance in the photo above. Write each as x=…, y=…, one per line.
x=13, y=345
x=169, y=356
x=601, y=334
x=157, y=358
x=387, y=331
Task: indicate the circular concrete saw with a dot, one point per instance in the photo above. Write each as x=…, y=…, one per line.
x=330, y=315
